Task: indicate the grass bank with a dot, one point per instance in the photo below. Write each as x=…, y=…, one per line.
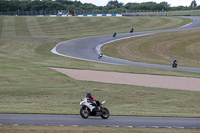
x=162, y=48
x=27, y=86
x=76, y=27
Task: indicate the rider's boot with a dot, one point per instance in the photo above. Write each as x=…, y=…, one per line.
x=96, y=109
x=100, y=108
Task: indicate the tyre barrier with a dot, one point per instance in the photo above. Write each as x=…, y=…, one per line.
x=86, y=15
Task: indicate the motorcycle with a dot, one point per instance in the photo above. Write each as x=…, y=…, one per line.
x=131, y=31
x=114, y=34
x=90, y=109
x=174, y=65
x=100, y=56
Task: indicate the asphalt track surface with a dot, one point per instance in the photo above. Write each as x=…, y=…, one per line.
x=112, y=121
x=88, y=49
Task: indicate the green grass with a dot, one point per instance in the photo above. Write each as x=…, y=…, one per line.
x=21, y=28
x=8, y=27
x=1, y=27
x=170, y=13
x=68, y=129
x=28, y=86
x=76, y=27
x=187, y=12
x=160, y=48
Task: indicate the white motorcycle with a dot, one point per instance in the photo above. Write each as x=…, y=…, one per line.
x=90, y=109
x=100, y=56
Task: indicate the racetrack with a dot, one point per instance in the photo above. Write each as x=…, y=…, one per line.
x=88, y=48
x=112, y=121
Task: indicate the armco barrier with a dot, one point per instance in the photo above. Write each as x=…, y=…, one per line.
x=90, y=15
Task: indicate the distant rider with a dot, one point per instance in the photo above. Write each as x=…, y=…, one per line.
x=131, y=30
x=175, y=63
x=101, y=54
x=114, y=34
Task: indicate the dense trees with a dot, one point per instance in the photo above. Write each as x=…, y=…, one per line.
x=115, y=4
x=148, y=6
x=47, y=5
x=193, y=4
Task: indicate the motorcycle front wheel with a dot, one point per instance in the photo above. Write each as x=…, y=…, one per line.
x=84, y=112
x=105, y=113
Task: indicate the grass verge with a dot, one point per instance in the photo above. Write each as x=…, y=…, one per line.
x=68, y=129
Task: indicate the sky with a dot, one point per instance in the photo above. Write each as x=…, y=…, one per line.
x=171, y=2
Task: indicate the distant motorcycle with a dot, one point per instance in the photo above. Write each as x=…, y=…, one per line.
x=100, y=55
x=131, y=31
x=114, y=34
x=90, y=109
x=174, y=65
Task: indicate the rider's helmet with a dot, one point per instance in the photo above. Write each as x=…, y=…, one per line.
x=88, y=95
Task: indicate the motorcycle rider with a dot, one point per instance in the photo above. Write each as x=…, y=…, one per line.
x=131, y=30
x=93, y=100
x=114, y=34
x=175, y=62
x=101, y=54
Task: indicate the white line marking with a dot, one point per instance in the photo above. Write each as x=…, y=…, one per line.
x=185, y=25
x=155, y=126
x=130, y=126
x=178, y=127
x=167, y=127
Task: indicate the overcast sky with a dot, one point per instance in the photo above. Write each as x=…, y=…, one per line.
x=171, y=2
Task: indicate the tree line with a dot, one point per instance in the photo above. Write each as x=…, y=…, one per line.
x=48, y=5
